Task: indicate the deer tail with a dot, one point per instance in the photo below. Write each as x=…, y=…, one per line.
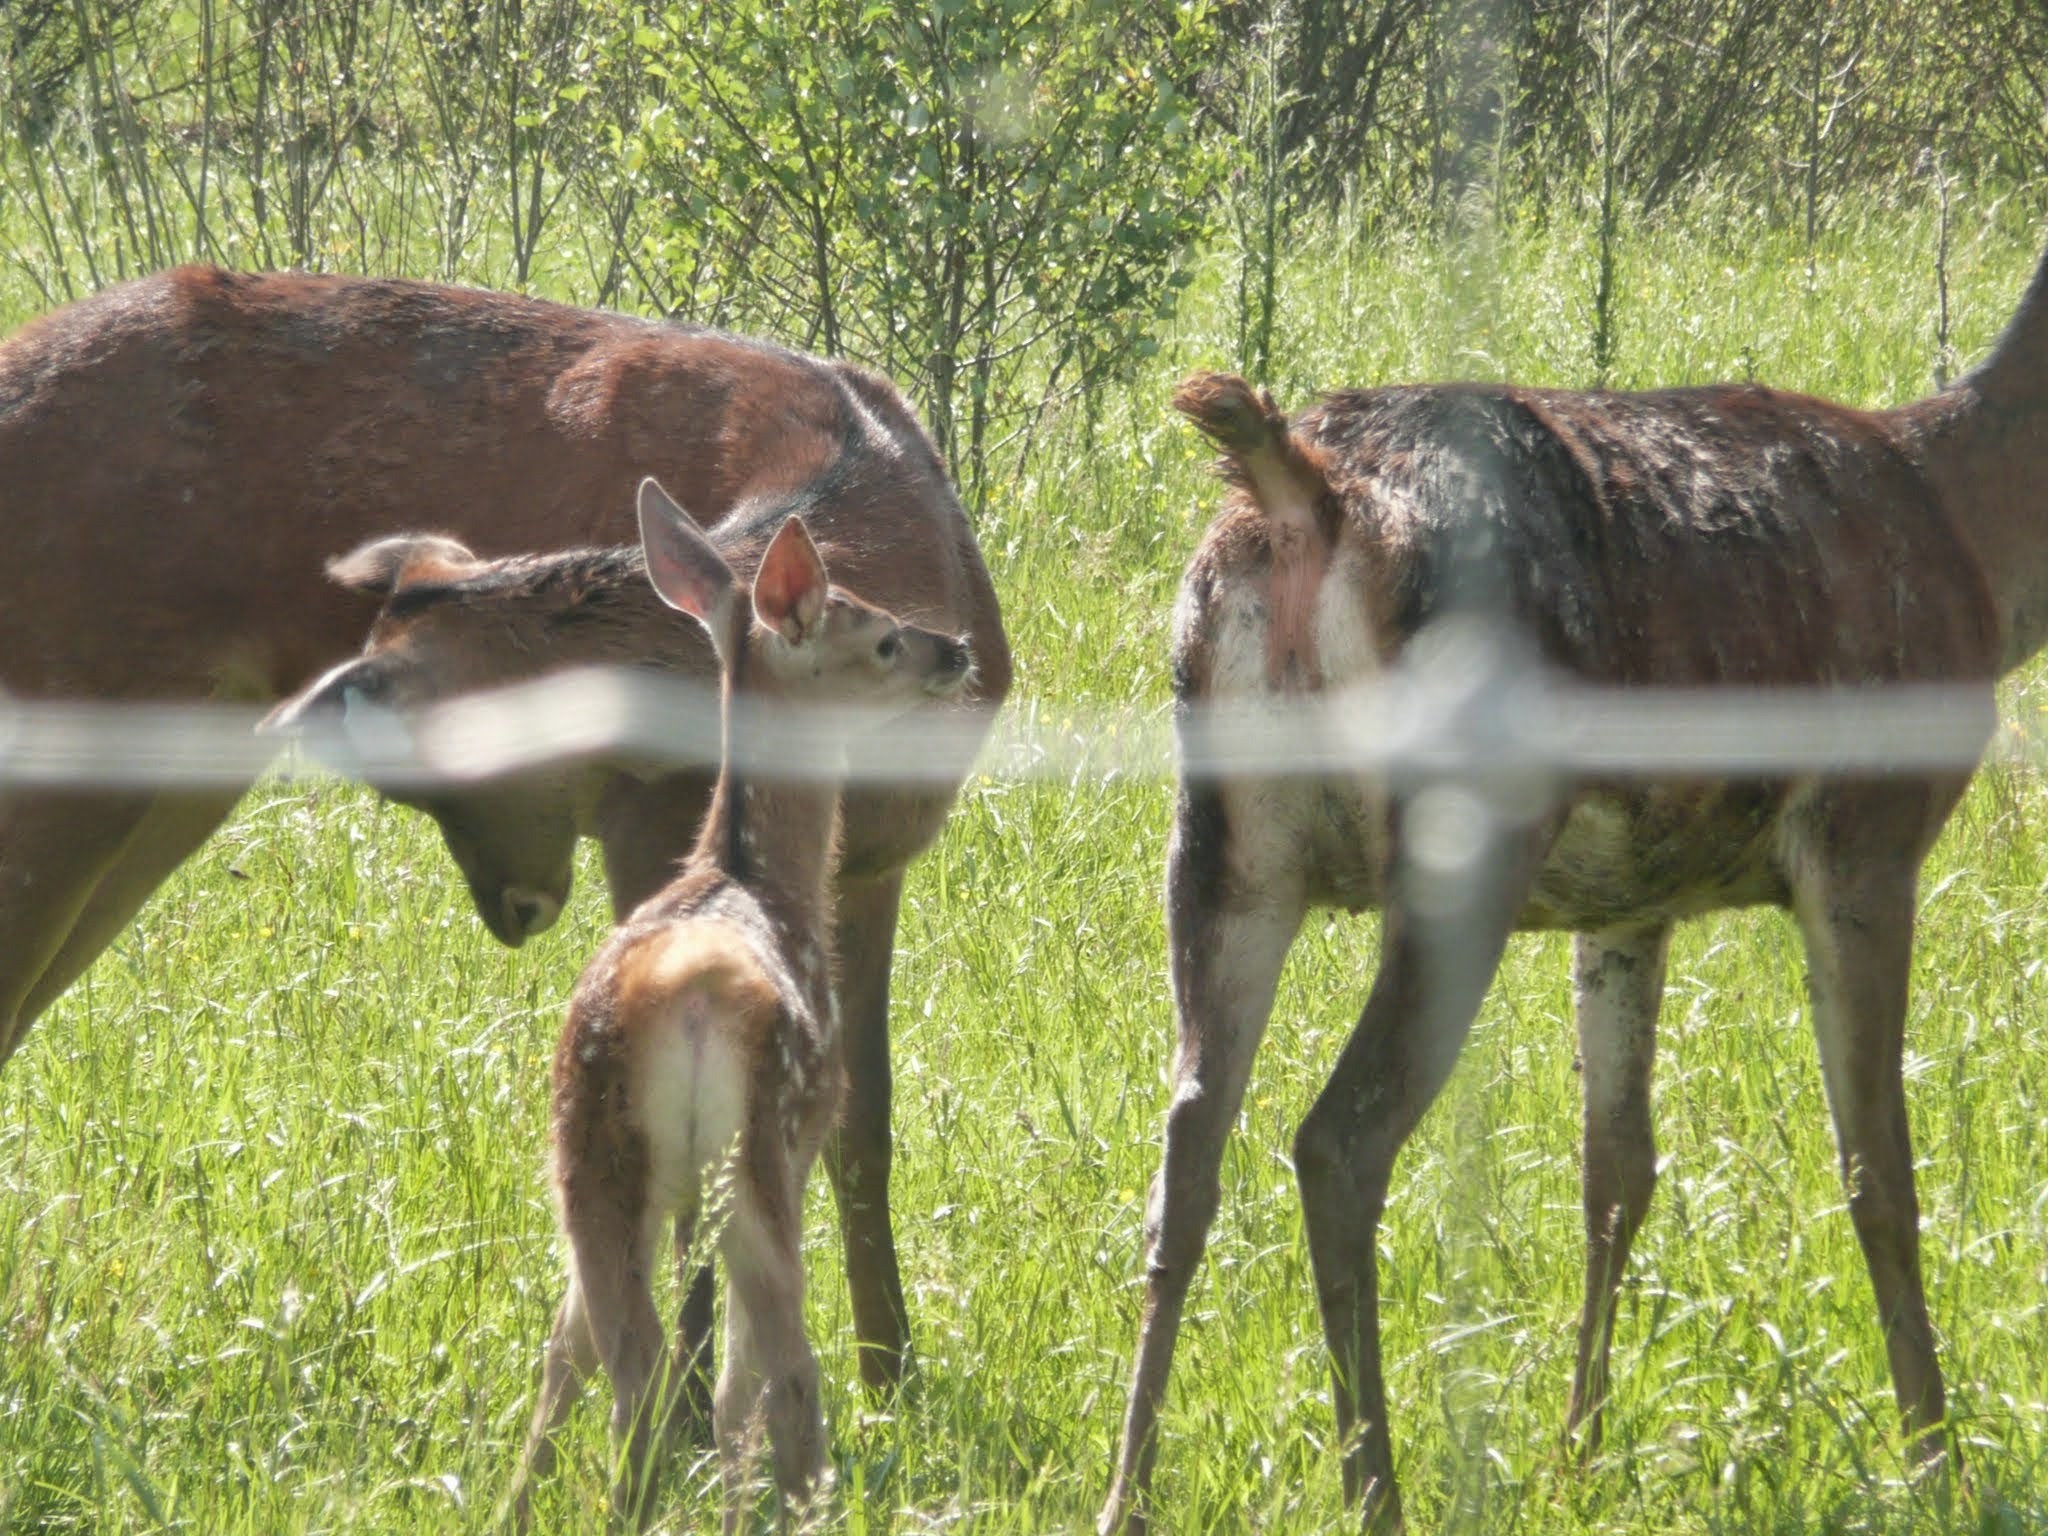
x=1259, y=453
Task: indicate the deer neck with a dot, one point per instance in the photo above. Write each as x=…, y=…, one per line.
x=777, y=837
x=1983, y=445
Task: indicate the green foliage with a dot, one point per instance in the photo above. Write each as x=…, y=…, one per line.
x=1803, y=100
x=989, y=202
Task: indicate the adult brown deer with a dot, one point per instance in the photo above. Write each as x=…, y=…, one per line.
x=1715, y=537
x=185, y=451
x=705, y=1033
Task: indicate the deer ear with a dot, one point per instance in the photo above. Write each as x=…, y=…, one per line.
x=348, y=711
x=381, y=566
x=789, y=589
x=688, y=574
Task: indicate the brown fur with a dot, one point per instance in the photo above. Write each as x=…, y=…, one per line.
x=707, y=1030
x=1717, y=537
x=1299, y=516
x=186, y=450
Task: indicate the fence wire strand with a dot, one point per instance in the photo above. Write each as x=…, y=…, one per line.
x=1456, y=716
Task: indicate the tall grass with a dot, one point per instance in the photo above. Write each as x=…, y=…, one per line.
x=275, y=1253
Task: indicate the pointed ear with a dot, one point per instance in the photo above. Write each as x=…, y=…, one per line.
x=379, y=567
x=789, y=589
x=687, y=573
x=348, y=711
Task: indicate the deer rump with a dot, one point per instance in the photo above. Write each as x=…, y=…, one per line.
x=1715, y=538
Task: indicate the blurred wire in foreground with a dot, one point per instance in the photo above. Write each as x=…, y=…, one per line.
x=1466, y=706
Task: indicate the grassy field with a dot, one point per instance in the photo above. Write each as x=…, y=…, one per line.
x=275, y=1253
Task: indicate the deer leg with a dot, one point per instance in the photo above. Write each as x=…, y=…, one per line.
x=1225, y=958
x=1618, y=982
x=170, y=831
x=689, y=1419
x=571, y=1355
x=858, y=1156
x=1434, y=971
x=770, y=1373
x=1858, y=927
x=644, y=827
x=612, y=1253
x=54, y=847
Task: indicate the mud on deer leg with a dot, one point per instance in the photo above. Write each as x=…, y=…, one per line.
x=1618, y=983
x=1858, y=926
x=54, y=850
x=858, y=1159
x=1434, y=971
x=1226, y=965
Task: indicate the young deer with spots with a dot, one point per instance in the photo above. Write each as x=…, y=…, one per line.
x=1713, y=537
x=703, y=1039
x=187, y=449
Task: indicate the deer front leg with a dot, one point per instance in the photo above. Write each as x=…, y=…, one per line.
x=54, y=848
x=859, y=1155
x=172, y=828
x=1618, y=983
x=1858, y=927
x=1226, y=949
x=1439, y=951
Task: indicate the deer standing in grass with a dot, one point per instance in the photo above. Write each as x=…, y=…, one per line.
x=181, y=454
x=706, y=1028
x=1712, y=537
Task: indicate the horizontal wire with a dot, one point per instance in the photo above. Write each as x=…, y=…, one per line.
x=1449, y=719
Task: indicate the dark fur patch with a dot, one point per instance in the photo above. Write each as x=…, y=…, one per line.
x=569, y=578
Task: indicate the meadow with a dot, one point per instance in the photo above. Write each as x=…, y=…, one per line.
x=275, y=1249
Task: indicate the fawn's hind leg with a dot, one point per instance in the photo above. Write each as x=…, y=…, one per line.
x=612, y=1249
x=770, y=1372
x=689, y=1414
x=571, y=1355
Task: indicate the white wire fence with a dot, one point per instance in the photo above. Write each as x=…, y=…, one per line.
x=1473, y=705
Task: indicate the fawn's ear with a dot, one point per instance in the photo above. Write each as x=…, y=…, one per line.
x=790, y=587
x=687, y=573
x=382, y=566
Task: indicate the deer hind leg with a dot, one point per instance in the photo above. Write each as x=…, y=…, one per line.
x=1618, y=983
x=54, y=849
x=1225, y=957
x=1858, y=927
x=1435, y=966
x=859, y=1155
x=644, y=827
x=770, y=1377
x=689, y=1419
x=571, y=1355
x=612, y=1243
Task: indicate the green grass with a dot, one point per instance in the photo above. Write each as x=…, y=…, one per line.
x=275, y=1253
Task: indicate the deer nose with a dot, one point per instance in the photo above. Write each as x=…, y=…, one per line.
x=955, y=661
x=528, y=911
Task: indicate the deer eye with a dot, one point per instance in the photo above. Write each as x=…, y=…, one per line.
x=886, y=648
